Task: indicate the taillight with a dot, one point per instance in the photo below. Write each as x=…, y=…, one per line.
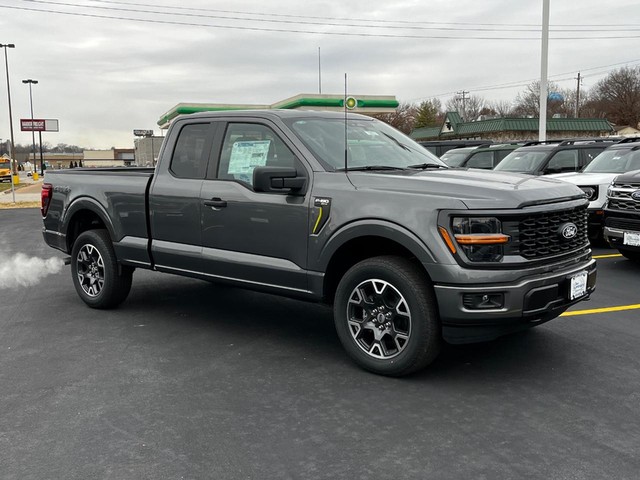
x=45, y=198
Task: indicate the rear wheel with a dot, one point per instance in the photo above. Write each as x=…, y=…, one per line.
x=630, y=254
x=98, y=279
x=386, y=317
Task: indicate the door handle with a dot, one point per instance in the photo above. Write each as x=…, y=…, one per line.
x=216, y=203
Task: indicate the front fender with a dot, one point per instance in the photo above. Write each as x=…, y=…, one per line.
x=375, y=228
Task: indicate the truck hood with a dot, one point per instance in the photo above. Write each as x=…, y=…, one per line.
x=586, y=179
x=477, y=189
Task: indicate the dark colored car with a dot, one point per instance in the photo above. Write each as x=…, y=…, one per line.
x=408, y=251
x=485, y=156
x=438, y=147
x=553, y=157
x=622, y=215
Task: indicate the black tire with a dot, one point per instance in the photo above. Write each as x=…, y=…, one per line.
x=386, y=317
x=98, y=279
x=633, y=255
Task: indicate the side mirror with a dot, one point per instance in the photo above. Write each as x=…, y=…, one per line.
x=277, y=180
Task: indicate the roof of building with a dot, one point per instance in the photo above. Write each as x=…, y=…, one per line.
x=496, y=125
x=364, y=104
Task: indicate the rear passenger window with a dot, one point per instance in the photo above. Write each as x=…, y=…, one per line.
x=481, y=160
x=250, y=145
x=189, y=159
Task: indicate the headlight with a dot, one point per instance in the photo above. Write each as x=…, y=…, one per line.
x=590, y=192
x=480, y=238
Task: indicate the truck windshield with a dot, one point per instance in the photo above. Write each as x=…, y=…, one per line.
x=614, y=161
x=522, y=162
x=371, y=144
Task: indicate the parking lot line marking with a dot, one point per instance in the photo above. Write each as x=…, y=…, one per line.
x=611, y=255
x=601, y=310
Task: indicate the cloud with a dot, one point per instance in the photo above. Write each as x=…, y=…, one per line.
x=102, y=78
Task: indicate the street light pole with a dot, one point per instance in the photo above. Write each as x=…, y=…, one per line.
x=33, y=133
x=11, y=151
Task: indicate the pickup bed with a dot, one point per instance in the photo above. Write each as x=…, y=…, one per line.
x=335, y=209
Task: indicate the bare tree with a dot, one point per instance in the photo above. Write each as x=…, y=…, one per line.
x=527, y=103
x=404, y=117
x=469, y=108
x=500, y=108
x=618, y=96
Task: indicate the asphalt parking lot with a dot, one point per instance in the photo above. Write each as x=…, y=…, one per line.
x=188, y=380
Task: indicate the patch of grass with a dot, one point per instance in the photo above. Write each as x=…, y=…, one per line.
x=7, y=186
x=5, y=206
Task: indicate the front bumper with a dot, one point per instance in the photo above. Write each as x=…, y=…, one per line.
x=530, y=300
x=615, y=238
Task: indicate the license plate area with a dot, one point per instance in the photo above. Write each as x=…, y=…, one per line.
x=578, y=285
x=631, y=238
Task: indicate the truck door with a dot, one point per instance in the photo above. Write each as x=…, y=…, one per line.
x=174, y=200
x=253, y=237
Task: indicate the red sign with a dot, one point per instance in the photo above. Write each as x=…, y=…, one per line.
x=38, y=125
x=28, y=125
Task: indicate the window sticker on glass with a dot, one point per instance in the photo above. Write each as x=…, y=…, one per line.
x=247, y=155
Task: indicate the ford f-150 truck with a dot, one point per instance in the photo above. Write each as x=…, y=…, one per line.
x=595, y=178
x=331, y=208
x=622, y=215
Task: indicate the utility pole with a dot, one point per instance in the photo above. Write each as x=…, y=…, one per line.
x=542, y=122
x=578, y=96
x=464, y=104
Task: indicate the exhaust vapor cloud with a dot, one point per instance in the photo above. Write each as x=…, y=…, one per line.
x=24, y=271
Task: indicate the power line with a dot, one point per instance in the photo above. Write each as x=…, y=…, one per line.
x=299, y=22
x=523, y=83
x=282, y=30
x=368, y=20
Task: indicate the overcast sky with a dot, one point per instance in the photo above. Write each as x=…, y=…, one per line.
x=103, y=75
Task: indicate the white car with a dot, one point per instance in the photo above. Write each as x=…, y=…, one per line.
x=595, y=178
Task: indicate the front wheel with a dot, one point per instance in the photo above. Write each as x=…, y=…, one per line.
x=99, y=281
x=386, y=317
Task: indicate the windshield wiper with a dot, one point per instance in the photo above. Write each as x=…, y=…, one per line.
x=425, y=166
x=397, y=142
x=369, y=167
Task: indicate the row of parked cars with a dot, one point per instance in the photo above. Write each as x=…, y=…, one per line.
x=607, y=170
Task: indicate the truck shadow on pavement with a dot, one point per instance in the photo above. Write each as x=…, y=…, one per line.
x=216, y=310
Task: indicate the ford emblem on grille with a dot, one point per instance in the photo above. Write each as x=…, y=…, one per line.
x=568, y=230
x=636, y=195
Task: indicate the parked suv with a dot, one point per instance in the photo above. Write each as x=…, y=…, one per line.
x=622, y=215
x=485, y=156
x=596, y=177
x=553, y=156
x=439, y=147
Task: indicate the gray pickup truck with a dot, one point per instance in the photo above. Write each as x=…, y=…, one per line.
x=331, y=208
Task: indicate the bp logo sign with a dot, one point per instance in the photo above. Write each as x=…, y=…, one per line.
x=350, y=103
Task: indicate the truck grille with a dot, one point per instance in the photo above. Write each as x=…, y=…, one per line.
x=538, y=236
x=620, y=197
x=623, y=224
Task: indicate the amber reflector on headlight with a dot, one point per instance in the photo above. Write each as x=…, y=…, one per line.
x=447, y=239
x=482, y=239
